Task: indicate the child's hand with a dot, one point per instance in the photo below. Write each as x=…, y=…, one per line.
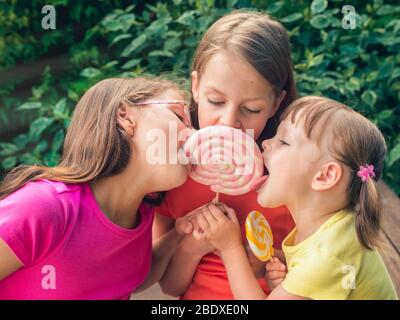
x=195, y=247
x=188, y=223
x=194, y=242
x=222, y=231
x=275, y=272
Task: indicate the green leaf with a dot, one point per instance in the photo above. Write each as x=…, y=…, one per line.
x=38, y=126
x=126, y=21
x=172, y=44
x=393, y=155
x=316, y=60
x=369, y=97
x=292, y=17
x=320, y=21
x=353, y=84
x=90, y=72
x=325, y=83
x=131, y=63
x=30, y=106
x=136, y=43
x=60, y=109
x=9, y=162
x=385, y=115
x=21, y=140
x=7, y=149
x=188, y=19
x=160, y=53
x=387, y=9
x=121, y=37
x=40, y=147
x=317, y=6
x=275, y=7
x=58, y=140
x=159, y=27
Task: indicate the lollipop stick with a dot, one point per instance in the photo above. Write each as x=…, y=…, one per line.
x=217, y=198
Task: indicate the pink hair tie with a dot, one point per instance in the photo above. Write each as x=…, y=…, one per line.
x=366, y=172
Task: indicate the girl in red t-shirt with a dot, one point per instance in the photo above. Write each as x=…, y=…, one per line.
x=242, y=77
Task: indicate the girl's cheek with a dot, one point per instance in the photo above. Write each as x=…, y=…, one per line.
x=207, y=117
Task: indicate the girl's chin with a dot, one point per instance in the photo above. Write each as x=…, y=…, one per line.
x=262, y=200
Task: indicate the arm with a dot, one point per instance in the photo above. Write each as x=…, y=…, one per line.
x=224, y=233
x=279, y=293
x=243, y=283
x=163, y=249
x=9, y=263
x=161, y=225
x=183, y=265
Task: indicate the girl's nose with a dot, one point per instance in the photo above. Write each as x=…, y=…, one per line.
x=229, y=118
x=266, y=145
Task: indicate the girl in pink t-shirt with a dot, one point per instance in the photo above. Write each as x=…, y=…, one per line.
x=82, y=229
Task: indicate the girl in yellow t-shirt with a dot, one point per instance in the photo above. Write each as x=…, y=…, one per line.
x=323, y=165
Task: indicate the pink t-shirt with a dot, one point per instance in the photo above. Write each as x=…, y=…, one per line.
x=69, y=248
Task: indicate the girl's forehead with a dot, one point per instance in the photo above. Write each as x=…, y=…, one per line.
x=225, y=72
x=170, y=94
x=293, y=129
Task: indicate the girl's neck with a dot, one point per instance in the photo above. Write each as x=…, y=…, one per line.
x=310, y=216
x=119, y=196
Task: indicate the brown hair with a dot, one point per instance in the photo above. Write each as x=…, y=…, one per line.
x=261, y=41
x=95, y=146
x=355, y=142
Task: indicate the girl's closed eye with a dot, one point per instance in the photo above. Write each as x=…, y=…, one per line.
x=250, y=110
x=283, y=142
x=215, y=101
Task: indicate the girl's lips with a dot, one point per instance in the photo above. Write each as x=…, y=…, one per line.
x=258, y=183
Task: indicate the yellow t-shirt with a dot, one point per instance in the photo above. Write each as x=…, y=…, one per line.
x=332, y=264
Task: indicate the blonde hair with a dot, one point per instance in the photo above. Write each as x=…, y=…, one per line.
x=356, y=142
x=95, y=146
x=263, y=42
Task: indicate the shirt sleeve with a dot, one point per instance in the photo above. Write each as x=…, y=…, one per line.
x=319, y=276
x=32, y=221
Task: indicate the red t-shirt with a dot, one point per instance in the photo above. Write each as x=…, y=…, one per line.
x=210, y=280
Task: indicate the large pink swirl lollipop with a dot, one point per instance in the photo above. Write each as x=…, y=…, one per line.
x=226, y=159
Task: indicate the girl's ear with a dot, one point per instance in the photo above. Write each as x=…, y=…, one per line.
x=326, y=178
x=278, y=102
x=125, y=120
x=195, y=86
x=280, y=99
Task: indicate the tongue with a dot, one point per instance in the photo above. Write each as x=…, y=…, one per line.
x=258, y=183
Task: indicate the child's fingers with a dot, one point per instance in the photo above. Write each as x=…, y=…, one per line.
x=195, y=212
x=232, y=215
x=275, y=275
x=217, y=213
x=199, y=235
x=275, y=266
x=209, y=216
x=203, y=223
x=184, y=226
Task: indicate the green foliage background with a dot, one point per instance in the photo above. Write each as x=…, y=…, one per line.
x=100, y=39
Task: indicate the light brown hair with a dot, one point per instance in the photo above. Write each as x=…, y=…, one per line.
x=95, y=146
x=263, y=42
x=355, y=141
